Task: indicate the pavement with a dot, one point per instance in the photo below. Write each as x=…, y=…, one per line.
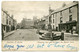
x=30, y=34
x=9, y=33
x=69, y=36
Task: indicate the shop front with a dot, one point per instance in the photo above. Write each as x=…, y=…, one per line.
x=69, y=26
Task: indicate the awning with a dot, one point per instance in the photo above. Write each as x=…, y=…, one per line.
x=69, y=22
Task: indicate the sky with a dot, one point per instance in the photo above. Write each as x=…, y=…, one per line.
x=29, y=9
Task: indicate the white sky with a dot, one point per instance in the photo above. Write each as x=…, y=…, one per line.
x=28, y=9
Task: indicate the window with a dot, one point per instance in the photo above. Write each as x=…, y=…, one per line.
x=70, y=18
x=70, y=10
x=7, y=21
x=53, y=26
x=53, y=15
x=61, y=13
x=50, y=19
x=53, y=20
x=60, y=19
x=4, y=27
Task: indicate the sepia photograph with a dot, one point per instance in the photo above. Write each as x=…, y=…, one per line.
x=40, y=20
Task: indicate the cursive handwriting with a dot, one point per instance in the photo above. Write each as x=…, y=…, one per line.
x=49, y=45
x=71, y=47
x=8, y=46
x=19, y=46
x=55, y=45
x=30, y=46
x=40, y=45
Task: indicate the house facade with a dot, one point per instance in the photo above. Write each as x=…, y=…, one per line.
x=65, y=18
x=7, y=22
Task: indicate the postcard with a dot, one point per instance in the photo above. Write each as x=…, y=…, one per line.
x=40, y=25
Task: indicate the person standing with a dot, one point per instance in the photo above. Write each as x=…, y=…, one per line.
x=2, y=34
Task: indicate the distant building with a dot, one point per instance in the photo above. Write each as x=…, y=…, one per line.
x=27, y=23
x=43, y=23
x=18, y=26
x=12, y=20
x=14, y=24
x=46, y=21
x=65, y=18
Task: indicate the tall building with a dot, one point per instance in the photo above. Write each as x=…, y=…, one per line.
x=7, y=21
x=4, y=20
x=65, y=18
